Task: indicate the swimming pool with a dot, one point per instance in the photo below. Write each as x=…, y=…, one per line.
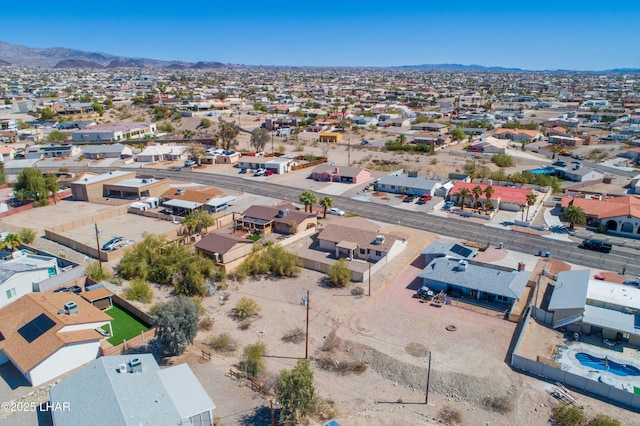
x=606, y=364
x=541, y=171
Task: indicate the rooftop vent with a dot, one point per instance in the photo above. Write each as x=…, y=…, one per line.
x=136, y=365
x=379, y=240
x=283, y=212
x=180, y=191
x=462, y=265
x=122, y=368
x=71, y=308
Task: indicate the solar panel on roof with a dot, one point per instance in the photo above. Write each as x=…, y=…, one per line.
x=460, y=250
x=36, y=327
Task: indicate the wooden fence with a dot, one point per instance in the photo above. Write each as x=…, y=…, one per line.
x=106, y=349
x=320, y=160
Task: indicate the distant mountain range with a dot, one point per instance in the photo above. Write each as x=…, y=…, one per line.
x=60, y=57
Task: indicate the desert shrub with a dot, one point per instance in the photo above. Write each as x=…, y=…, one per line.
x=450, y=416
x=253, y=362
x=331, y=342
x=322, y=409
x=603, y=420
x=498, y=404
x=339, y=273
x=245, y=324
x=502, y=160
x=294, y=336
x=27, y=235
x=222, y=343
x=139, y=290
x=344, y=367
x=568, y=415
x=275, y=260
x=206, y=323
x=245, y=308
x=97, y=272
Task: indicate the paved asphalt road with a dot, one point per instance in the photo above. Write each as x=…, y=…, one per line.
x=618, y=259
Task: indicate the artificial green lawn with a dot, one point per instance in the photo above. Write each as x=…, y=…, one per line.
x=124, y=326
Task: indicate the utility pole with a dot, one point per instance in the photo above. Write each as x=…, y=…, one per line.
x=426, y=397
x=273, y=417
x=98, y=245
x=306, y=350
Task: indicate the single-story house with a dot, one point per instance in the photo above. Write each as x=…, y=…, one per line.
x=519, y=134
x=594, y=307
x=115, y=132
x=449, y=249
x=490, y=145
x=48, y=334
x=117, y=184
x=131, y=390
x=430, y=127
x=344, y=174
x=413, y=185
x=21, y=272
x=163, y=153
x=116, y=150
x=6, y=153
x=620, y=215
x=277, y=165
x=333, y=137
x=565, y=140
x=282, y=218
x=575, y=172
x=355, y=242
x=183, y=201
x=504, y=197
x=228, y=250
x=475, y=280
x=434, y=139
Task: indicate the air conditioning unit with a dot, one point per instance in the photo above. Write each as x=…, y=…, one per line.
x=122, y=368
x=379, y=240
x=136, y=365
x=71, y=308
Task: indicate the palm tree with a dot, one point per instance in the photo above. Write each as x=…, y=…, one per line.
x=488, y=192
x=463, y=193
x=12, y=241
x=522, y=206
x=189, y=223
x=554, y=151
x=326, y=203
x=477, y=193
x=532, y=197
x=401, y=139
x=574, y=215
x=488, y=205
x=308, y=198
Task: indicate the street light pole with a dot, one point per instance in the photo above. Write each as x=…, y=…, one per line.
x=306, y=350
x=98, y=245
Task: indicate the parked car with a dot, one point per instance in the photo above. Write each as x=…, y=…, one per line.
x=635, y=282
x=268, y=173
x=364, y=142
x=424, y=198
x=336, y=211
x=448, y=205
x=260, y=172
x=189, y=163
x=113, y=244
x=423, y=292
x=243, y=171
x=409, y=199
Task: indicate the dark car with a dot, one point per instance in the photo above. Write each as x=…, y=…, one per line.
x=596, y=245
x=409, y=198
x=364, y=142
x=243, y=171
x=61, y=290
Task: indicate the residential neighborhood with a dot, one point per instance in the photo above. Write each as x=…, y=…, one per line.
x=178, y=243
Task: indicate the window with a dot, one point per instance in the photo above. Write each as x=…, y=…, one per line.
x=11, y=293
x=378, y=253
x=362, y=251
x=502, y=299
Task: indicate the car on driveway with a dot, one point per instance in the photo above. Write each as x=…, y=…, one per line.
x=336, y=211
x=448, y=205
x=260, y=172
x=409, y=199
x=113, y=244
x=635, y=282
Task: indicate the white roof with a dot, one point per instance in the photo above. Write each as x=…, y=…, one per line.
x=215, y=202
x=616, y=294
x=100, y=178
x=186, y=392
x=182, y=203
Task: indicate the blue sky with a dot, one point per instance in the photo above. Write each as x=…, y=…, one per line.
x=582, y=35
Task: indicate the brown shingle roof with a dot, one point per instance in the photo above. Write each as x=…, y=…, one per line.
x=363, y=238
x=220, y=243
x=26, y=355
x=271, y=214
x=192, y=195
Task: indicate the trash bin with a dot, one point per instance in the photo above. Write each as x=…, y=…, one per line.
x=500, y=245
x=539, y=253
x=547, y=254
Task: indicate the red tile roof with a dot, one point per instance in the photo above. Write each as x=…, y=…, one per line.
x=609, y=207
x=506, y=194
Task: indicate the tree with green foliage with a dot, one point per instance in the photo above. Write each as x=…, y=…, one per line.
x=205, y=123
x=569, y=415
x=160, y=112
x=259, y=138
x=339, y=273
x=168, y=128
x=458, y=134
x=227, y=134
x=31, y=185
x=464, y=194
x=139, y=291
x=97, y=272
x=11, y=241
x=295, y=392
x=56, y=136
x=574, y=215
x=188, y=134
x=488, y=192
x=51, y=183
x=421, y=119
x=476, y=191
x=253, y=361
x=21, y=124
x=401, y=139
x=532, y=197
x=199, y=220
x=275, y=260
x=177, y=323
x=99, y=108
x=308, y=198
x=326, y=203
x=47, y=113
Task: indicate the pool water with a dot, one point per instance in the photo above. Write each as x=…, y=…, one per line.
x=542, y=171
x=607, y=365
